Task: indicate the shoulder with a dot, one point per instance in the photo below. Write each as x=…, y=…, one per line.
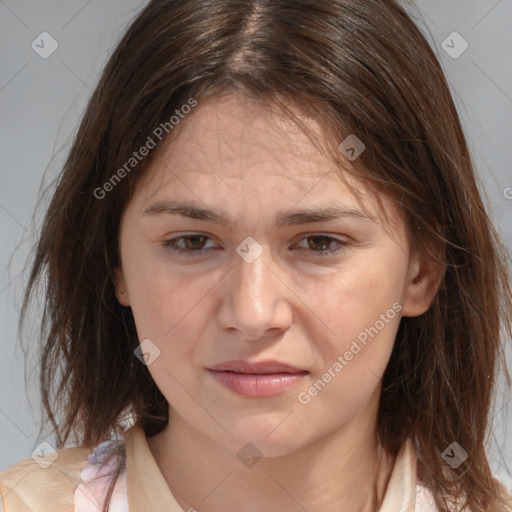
x=40, y=480
x=63, y=480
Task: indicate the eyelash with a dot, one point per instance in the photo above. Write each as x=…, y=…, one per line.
x=170, y=244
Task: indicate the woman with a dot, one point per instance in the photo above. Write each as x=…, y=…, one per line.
x=268, y=253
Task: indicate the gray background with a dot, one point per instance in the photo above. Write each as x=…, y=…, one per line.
x=41, y=101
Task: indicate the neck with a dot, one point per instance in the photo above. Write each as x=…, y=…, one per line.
x=345, y=471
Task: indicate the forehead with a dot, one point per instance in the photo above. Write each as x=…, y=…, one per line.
x=242, y=135
x=233, y=138
x=233, y=146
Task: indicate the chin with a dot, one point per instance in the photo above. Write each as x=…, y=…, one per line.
x=267, y=438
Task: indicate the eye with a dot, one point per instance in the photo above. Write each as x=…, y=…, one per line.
x=194, y=244
x=320, y=245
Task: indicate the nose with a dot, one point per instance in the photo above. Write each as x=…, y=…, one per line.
x=256, y=300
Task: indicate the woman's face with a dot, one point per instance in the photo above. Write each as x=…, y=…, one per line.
x=263, y=279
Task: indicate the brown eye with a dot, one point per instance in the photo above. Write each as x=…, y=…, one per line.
x=320, y=242
x=193, y=245
x=320, y=245
x=195, y=242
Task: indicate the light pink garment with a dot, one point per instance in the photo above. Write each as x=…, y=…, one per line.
x=69, y=483
x=96, y=480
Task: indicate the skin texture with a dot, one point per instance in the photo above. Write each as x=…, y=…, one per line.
x=235, y=155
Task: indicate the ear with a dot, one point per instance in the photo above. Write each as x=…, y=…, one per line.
x=423, y=282
x=121, y=290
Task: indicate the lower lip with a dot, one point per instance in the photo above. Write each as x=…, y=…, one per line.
x=257, y=384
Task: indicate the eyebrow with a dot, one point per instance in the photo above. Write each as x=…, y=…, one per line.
x=283, y=218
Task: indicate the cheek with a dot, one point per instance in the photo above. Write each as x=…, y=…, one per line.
x=169, y=303
x=361, y=307
x=355, y=298
x=353, y=359
x=164, y=305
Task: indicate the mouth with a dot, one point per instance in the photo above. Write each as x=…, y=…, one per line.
x=257, y=379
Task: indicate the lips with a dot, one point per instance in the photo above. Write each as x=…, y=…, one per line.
x=257, y=379
x=262, y=367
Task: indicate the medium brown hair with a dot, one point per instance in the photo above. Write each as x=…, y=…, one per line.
x=366, y=69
